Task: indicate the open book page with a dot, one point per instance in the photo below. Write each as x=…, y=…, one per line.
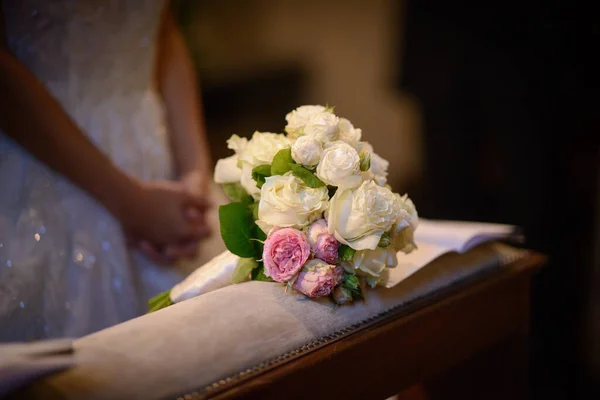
x=435, y=238
x=460, y=236
x=408, y=264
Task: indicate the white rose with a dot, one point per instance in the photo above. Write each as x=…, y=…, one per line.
x=227, y=170
x=403, y=232
x=373, y=262
x=259, y=150
x=348, y=133
x=285, y=201
x=359, y=217
x=237, y=144
x=378, y=165
x=247, y=182
x=339, y=165
x=306, y=151
x=262, y=148
x=323, y=127
x=297, y=119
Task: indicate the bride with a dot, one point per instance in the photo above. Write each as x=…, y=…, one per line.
x=102, y=147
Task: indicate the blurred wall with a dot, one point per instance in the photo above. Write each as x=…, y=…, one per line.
x=346, y=50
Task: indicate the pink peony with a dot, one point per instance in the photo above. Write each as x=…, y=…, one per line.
x=317, y=278
x=324, y=245
x=285, y=252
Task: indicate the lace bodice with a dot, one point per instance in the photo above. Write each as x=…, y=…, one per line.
x=97, y=57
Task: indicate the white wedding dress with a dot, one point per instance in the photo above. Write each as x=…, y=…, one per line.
x=65, y=269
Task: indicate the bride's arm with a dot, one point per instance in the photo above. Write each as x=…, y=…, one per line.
x=35, y=120
x=179, y=88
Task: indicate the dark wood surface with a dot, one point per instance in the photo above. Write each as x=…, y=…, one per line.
x=472, y=344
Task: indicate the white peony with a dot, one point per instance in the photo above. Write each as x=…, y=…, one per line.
x=339, y=165
x=285, y=201
x=359, y=217
x=227, y=170
x=259, y=150
x=297, y=119
x=348, y=133
x=323, y=127
x=403, y=231
x=306, y=151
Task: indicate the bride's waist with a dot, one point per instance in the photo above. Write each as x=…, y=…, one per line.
x=97, y=95
x=129, y=127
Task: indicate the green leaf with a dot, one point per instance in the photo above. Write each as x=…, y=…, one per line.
x=307, y=177
x=160, y=301
x=258, y=274
x=236, y=223
x=365, y=161
x=282, y=162
x=259, y=234
x=254, y=210
x=260, y=173
x=346, y=253
x=385, y=240
x=235, y=192
x=243, y=269
x=258, y=242
x=357, y=293
x=352, y=283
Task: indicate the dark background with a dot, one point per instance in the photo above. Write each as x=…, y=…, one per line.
x=507, y=92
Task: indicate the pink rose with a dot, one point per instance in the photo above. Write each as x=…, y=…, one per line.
x=317, y=278
x=324, y=245
x=285, y=252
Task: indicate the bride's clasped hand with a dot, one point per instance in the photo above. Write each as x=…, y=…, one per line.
x=167, y=219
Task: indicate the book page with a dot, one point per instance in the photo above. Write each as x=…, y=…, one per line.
x=408, y=264
x=460, y=235
x=435, y=238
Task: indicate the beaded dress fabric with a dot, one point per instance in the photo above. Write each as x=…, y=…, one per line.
x=65, y=269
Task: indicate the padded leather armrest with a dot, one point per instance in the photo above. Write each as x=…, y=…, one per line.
x=240, y=329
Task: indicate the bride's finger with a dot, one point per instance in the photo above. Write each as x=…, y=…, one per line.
x=196, y=200
x=194, y=215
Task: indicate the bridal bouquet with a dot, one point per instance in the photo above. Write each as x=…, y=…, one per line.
x=311, y=209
